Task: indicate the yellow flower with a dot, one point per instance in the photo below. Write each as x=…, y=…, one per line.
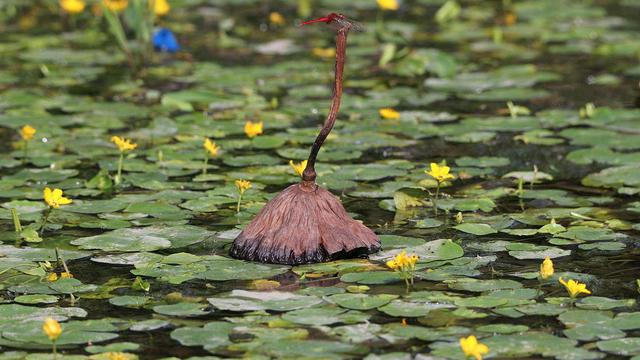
x=54, y=198
x=403, y=261
x=243, y=185
x=392, y=264
x=123, y=144
x=388, y=4
x=115, y=5
x=253, y=129
x=52, y=328
x=298, y=168
x=27, y=132
x=324, y=53
x=66, y=275
x=276, y=18
x=575, y=288
x=211, y=147
x=160, y=7
x=546, y=268
x=52, y=277
x=389, y=113
x=72, y=6
x=439, y=172
x=118, y=356
x=471, y=347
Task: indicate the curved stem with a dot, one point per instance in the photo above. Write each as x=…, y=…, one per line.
x=26, y=152
x=309, y=174
x=435, y=199
x=206, y=163
x=44, y=222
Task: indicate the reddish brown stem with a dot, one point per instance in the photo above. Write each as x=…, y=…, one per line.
x=309, y=174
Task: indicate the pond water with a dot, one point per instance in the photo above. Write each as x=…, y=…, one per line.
x=532, y=104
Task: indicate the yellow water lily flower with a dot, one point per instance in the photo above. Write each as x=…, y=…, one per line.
x=112, y=355
x=298, y=168
x=52, y=328
x=243, y=185
x=439, y=172
x=72, y=6
x=123, y=144
x=404, y=265
x=253, y=129
x=276, y=18
x=388, y=4
x=471, y=347
x=403, y=262
x=575, y=288
x=54, y=198
x=392, y=264
x=211, y=147
x=63, y=275
x=160, y=7
x=116, y=5
x=27, y=132
x=323, y=52
x=546, y=268
x=389, y=113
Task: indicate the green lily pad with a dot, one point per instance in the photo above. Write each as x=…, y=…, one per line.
x=183, y=309
x=476, y=229
x=361, y=301
x=627, y=346
x=144, y=239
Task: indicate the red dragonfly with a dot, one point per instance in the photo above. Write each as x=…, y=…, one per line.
x=339, y=21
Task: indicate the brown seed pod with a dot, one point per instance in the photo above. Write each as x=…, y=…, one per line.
x=306, y=223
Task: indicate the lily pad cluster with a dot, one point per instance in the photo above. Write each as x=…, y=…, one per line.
x=534, y=111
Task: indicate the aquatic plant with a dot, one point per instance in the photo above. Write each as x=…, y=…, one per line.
x=384, y=5
x=241, y=187
x=140, y=18
x=123, y=145
x=150, y=261
x=448, y=12
x=306, y=223
x=472, y=348
x=253, y=129
x=275, y=18
x=546, y=268
x=72, y=6
x=441, y=174
x=391, y=5
x=389, y=113
x=210, y=150
x=574, y=288
x=53, y=198
x=404, y=265
x=52, y=329
x=298, y=168
x=26, y=132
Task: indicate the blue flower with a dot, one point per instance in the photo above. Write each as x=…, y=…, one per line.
x=165, y=40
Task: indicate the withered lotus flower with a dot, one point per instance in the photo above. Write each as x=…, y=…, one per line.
x=306, y=223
